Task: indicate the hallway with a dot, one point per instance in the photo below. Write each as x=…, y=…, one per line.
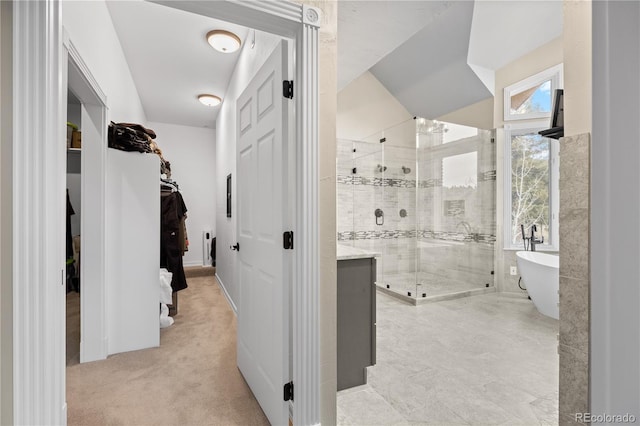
x=191, y=379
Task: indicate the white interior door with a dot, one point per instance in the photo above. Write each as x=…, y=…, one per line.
x=263, y=347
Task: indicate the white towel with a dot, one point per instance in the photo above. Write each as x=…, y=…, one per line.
x=165, y=286
x=165, y=319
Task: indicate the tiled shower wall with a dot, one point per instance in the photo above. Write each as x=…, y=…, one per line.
x=444, y=236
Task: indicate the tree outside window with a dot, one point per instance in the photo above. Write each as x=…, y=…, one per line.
x=530, y=194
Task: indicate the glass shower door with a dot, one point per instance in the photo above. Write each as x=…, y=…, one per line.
x=394, y=180
x=456, y=197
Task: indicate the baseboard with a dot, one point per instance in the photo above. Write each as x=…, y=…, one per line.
x=226, y=295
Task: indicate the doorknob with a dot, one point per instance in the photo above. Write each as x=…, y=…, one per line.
x=235, y=247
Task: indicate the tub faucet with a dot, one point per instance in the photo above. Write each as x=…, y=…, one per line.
x=533, y=240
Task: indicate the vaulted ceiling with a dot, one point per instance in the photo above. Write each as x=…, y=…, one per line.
x=433, y=56
x=429, y=73
x=447, y=59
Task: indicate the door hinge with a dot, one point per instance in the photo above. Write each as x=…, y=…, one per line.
x=287, y=240
x=288, y=391
x=287, y=89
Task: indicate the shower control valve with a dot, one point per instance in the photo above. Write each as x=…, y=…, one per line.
x=379, y=217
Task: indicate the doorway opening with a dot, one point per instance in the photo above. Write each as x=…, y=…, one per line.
x=85, y=109
x=40, y=107
x=73, y=226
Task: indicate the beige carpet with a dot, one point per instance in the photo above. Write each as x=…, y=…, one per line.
x=191, y=379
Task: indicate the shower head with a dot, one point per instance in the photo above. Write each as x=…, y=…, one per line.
x=406, y=170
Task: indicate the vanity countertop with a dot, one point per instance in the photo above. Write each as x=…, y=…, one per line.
x=345, y=252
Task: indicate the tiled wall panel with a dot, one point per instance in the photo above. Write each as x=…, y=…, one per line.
x=574, y=276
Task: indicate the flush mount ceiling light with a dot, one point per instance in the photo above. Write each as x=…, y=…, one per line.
x=223, y=41
x=209, y=100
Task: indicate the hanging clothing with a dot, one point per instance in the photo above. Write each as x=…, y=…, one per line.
x=70, y=212
x=183, y=234
x=172, y=211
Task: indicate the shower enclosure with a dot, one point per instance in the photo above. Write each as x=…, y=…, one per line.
x=422, y=193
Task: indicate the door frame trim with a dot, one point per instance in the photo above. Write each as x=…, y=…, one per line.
x=93, y=300
x=38, y=165
x=39, y=168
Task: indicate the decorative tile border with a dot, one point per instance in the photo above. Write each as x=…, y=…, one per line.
x=404, y=183
x=422, y=234
x=456, y=236
x=376, y=235
x=376, y=181
x=430, y=183
x=347, y=180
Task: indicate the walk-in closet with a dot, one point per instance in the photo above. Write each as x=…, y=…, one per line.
x=115, y=229
x=73, y=236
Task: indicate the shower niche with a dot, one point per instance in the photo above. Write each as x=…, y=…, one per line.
x=435, y=183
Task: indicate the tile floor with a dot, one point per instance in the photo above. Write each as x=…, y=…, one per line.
x=480, y=360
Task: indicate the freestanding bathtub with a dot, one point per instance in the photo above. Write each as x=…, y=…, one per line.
x=539, y=273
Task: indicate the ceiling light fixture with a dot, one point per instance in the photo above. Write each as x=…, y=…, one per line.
x=209, y=100
x=223, y=41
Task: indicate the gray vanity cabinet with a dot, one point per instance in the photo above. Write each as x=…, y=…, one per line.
x=356, y=320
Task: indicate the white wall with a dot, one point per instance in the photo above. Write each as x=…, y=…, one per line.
x=615, y=209
x=577, y=67
x=133, y=244
x=478, y=115
x=365, y=107
x=248, y=64
x=191, y=152
x=90, y=29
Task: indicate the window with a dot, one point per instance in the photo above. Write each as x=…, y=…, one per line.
x=532, y=97
x=531, y=185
